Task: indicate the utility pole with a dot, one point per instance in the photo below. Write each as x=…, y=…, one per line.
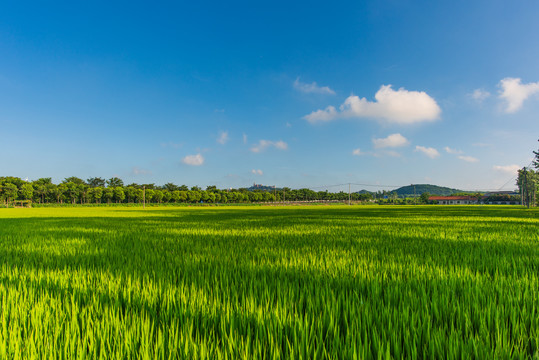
x=284, y=195
x=349, y=195
x=144, y=197
x=415, y=196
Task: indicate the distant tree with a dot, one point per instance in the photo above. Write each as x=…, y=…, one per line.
x=149, y=195
x=8, y=191
x=114, y=182
x=130, y=192
x=528, y=182
x=98, y=194
x=424, y=198
x=183, y=188
x=139, y=194
x=83, y=192
x=167, y=195
x=170, y=187
x=536, y=160
x=43, y=181
x=96, y=181
x=195, y=188
x=61, y=192
x=73, y=179
x=119, y=194
x=158, y=196
x=72, y=191
x=108, y=194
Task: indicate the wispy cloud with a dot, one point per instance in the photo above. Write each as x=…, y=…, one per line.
x=223, y=137
x=430, y=152
x=468, y=158
x=452, y=151
x=479, y=95
x=394, y=107
x=264, y=144
x=312, y=88
x=139, y=171
x=357, y=152
x=245, y=138
x=393, y=140
x=514, y=92
x=193, y=160
x=509, y=169
x=257, y=172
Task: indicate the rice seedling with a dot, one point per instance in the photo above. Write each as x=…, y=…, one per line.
x=300, y=282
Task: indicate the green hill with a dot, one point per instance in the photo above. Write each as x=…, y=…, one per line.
x=422, y=188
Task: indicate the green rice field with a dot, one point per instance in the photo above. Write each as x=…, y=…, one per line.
x=298, y=282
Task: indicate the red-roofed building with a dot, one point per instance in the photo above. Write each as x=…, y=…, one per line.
x=454, y=200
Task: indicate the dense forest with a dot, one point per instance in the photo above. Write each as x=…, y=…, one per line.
x=74, y=190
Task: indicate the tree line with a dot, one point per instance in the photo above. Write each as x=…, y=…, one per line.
x=74, y=190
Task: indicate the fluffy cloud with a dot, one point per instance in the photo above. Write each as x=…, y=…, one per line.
x=223, y=137
x=396, y=107
x=393, y=140
x=193, y=160
x=468, y=158
x=264, y=144
x=479, y=95
x=430, y=152
x=357, y=152
x=312, y=88
x=510, y=169
x=257, y=172
x=452, y=151
x=514, y=93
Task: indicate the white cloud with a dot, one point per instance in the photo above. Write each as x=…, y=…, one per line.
x=479, y=95
x=468, y=158
x=245, y=138
x=193, y=160
x=393, y=140
x=510, y=169
x=396, y=107
x=452, y=151
x=430, y=152
x=264, y=144
x=514, y=92
x=312, y=88
x=257, y=172
x=139, y=171
x=357, y=152
x=223, y=137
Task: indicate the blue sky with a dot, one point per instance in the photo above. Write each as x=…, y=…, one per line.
x=308, y=94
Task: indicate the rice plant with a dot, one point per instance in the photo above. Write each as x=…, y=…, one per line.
x=269, y=283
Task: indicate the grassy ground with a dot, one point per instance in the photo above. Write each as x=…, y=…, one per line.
x=261, y=282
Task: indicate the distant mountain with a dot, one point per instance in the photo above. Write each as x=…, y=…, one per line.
x=421, y=188
x=364, y=192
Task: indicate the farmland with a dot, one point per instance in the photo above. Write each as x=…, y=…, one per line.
x=264, y=282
